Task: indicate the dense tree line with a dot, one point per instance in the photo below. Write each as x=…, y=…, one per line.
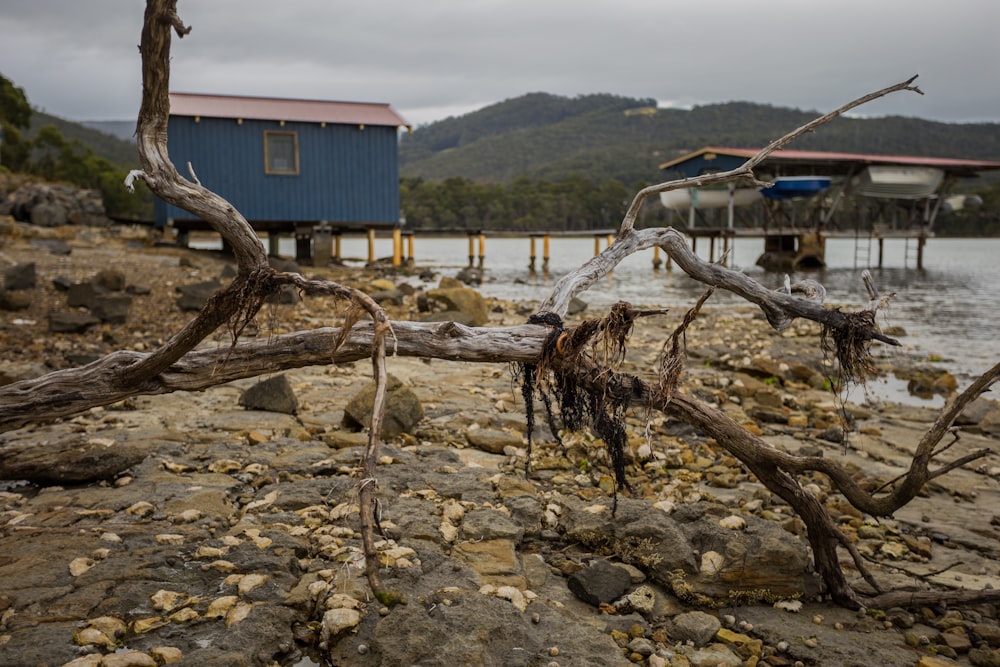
x=571, y=204
x=51, y=156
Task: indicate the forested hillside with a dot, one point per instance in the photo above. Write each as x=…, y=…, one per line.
x=603, y=137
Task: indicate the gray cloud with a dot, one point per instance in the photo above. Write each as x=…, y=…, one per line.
x=445, y=57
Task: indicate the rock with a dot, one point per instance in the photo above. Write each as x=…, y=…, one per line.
x=716, y=655
x=194, y=295
x=337, y=621
x=54, y=246
x=411, y=635
x=112, y=280
x=599, y=583
x=20, y=277
x=488, y=524
x=642, y=600
x=976, y=411
x=495, y=561
x=492, y=440
x=69, y=461
x=274, y=394
x=82, y=295
x=11, y=301
x=287, y=295
x=62, y=322
x=694, y=626
x=461, y=299
x=111, y=308
x=984, y=657
x=466, y=319
x=470, y=276
x=403, y=409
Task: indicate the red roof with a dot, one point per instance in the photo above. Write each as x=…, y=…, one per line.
x=792, y=156
x=270, y=108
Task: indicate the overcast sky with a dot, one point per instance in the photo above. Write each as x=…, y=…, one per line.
x=436, y=58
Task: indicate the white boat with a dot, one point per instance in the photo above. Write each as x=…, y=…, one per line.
x=898, y=182
x=701, y=198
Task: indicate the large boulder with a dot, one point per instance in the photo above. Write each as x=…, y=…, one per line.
x=403, y=409
x=461, y=300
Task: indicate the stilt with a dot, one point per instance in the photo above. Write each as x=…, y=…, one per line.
x=397, y=247
x=921, y=240
x=337, y=257
x=531, y=257
x=371, y=246
x=725, y=247
x=597, y=245
x=472, y=250
x=881, y=251
x=545, y=253
x=711, y=248
x=657, y=262
x=273, y=244
x=303, y=243
x=482, y=249
x=611, y=239
x=411, y=258
x=322, y=240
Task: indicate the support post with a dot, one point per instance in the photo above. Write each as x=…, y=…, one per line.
x=531, y=255
x=711, y=248
x=397, y=247
x=273, y=244
x=482, y=249
x=337, y=258
x=597, y=245
x=657, y=262
x=322, y=240
x=303, y=243
x=545, y=253
x=411, y=258
x=472, y=249
x=881, y=251
x=921, y=240
x=371, y=245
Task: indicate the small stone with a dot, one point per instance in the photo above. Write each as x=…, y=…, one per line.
x=733, y=522
x=78, y=566
x=166, y=655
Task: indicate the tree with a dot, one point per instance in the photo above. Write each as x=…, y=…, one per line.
x=587, y=386
x=15, y=115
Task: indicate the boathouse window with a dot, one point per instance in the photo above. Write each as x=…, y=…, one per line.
x=281, y=153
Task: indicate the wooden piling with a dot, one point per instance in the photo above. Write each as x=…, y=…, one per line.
x=411, y=258
x=921, y=240
x=482, y=249
x=337, y=257
x=532, y=255
x=472, y=250
x=545, y=253
x=371, y=246
x=657, y=262
x=881, y=251
x=273, y=244
x=597, y=245
x=397, y=247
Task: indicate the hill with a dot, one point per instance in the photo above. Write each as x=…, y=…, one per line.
x=108, y=146
x=601, y=137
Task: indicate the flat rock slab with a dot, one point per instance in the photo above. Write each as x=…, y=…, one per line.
x=72, y=460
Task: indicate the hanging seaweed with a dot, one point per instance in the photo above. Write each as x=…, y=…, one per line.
x=596, y=347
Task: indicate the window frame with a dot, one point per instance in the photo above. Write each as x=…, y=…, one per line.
x=267, y=153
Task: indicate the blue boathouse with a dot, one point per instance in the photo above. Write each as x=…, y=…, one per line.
x=288, y=165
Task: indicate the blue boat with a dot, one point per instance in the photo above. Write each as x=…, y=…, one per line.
x=796, y=187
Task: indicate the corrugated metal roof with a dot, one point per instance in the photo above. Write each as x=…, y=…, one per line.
x=291, y=110
x=792, y=156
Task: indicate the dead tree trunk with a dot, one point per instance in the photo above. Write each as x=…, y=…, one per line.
x=178, y=366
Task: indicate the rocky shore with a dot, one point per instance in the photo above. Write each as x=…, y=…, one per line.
x=221, y=527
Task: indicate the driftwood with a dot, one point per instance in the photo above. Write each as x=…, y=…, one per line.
x=179, y=366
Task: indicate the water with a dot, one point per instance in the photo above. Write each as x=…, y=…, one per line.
x=949, y=309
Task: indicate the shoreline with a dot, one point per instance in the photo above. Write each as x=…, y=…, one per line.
x=230, y=536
